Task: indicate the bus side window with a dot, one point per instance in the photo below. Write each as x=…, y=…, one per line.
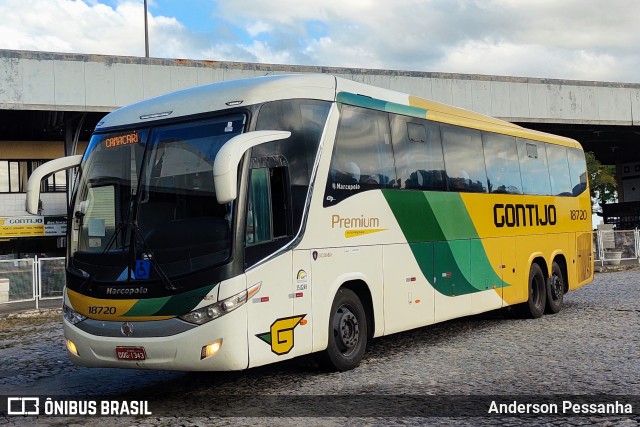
x=464, y=159
x=305, y=119
x=559, y=170
x=533, y=166
x=578, y=170
x=259, y=208
x=503, y=169
x=268, y=223
x=362, y=157
x=418, y=153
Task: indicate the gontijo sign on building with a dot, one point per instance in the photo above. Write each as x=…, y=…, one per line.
x=33, y=226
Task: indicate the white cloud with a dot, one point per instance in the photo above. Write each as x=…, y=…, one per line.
x=521, y=60
x=67, y=26
x=578, y=39
x=258, y=28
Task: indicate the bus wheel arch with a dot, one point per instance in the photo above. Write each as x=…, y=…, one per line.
x=557, y=285
x=350, y=326
x=361, y=289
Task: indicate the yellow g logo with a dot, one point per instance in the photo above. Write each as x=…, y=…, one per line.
x=280, y=337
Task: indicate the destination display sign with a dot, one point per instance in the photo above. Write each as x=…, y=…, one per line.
x=118, y=140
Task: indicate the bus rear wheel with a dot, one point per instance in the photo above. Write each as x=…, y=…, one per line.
x=347, y=333
x=555, y=290
x=535, y=305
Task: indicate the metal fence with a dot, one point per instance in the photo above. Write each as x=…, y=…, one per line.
x=30, y=279
x=614, y=246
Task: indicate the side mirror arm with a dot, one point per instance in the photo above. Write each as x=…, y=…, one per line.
x=53, y=166
x=225, y=165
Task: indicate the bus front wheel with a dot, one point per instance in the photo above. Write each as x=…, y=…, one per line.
x=347, y=333
x=555, y=290
x=535, y=305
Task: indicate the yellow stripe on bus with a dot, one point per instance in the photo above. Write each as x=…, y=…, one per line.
x=106, y=309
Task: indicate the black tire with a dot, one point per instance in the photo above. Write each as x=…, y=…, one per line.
x=555, y=290
x=535, y=305
x=347, y=333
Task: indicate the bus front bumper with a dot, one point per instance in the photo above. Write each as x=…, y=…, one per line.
x=219, y=345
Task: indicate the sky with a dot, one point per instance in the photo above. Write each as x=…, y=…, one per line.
x=565, y=39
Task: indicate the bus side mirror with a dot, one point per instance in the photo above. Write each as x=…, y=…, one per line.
x=225, y=165
x=53, y=166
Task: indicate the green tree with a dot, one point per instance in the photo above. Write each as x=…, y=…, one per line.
x=602, y=181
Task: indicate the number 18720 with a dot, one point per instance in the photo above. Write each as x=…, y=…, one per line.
x=578, y=214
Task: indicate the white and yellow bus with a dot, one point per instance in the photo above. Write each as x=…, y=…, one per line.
x=247, y=222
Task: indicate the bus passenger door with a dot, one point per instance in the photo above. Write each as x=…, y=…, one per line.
x=271, y=321
x=301, y=293
x=270, y=311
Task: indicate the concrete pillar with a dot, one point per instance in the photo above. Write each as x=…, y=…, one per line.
x=4, y=290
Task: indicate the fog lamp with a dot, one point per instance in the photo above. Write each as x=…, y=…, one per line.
x=72, y=348
x=210, y=349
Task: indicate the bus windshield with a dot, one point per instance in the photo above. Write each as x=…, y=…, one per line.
x=145, y=205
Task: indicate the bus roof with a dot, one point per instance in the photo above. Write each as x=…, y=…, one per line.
x=222, y=96
x=230, y=94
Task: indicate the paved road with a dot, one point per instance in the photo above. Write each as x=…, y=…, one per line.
x=17, y=307
x=590, y=348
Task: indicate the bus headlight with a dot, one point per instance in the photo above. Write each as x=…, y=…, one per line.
x=71, y=315
x=220, y=308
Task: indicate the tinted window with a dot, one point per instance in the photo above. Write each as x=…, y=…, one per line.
x=503, y=168
x=305, y=119
x=463, y=159
x=418, y=154
x=259, y=208
x=559, y=170
x=578, y=171
x=362, y=157
x=533, y=167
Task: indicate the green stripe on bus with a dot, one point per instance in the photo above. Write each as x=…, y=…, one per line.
x=184, y=302
x=415, y=216
x=451, y=215
x=443, y=241
x=377, y=104
x=169, y=306
x=146, y=307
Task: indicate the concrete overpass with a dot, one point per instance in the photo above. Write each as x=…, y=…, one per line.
x=50, y=89
x=50, y=103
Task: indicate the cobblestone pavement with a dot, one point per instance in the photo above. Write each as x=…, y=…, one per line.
x=589, y=348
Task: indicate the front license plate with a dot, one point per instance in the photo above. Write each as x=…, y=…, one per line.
x=130, y=353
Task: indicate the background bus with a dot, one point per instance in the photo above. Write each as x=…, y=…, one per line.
x=252, y=221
